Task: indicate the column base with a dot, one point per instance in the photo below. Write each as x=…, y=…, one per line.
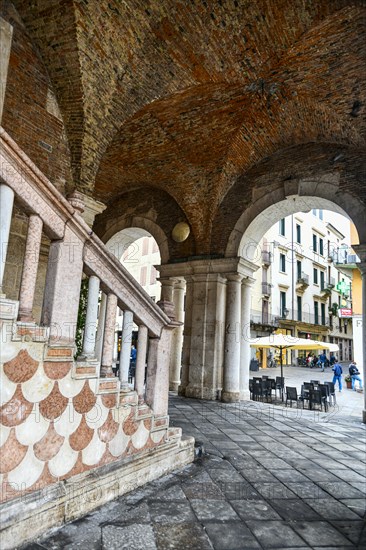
x=199, y=392
x=174, y=386
x=106, y=371
x=245, y=395
x=230, y=396
x=182, y=391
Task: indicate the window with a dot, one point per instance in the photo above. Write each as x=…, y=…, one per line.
x=283, y=263
x=155, y=247
x=321, y=214
x=282, y=303
x=152, y=275
x=314, y=211
x=265, y=312
x=321, y=247
x=315, y=243
x=316, y=313
x=298, y=233
x=282, y=227
x=299, y=308
x=315, y=276
x=143, y=275
x=322, y=280
x=322, y=308
x=145, y=246
x=298, y=269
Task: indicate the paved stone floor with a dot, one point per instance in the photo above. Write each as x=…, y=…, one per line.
x=269, y=477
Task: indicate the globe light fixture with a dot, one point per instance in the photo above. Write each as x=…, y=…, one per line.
x=181, y=232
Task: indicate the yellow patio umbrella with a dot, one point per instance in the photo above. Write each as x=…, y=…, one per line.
x=285, y=341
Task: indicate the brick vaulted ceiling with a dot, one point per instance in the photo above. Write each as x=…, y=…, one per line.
x=189, y=95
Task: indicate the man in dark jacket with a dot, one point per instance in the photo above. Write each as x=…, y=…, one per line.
x=337, y=369
x=354, y=374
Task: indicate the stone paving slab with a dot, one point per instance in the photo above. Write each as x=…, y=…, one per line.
x=289, y=482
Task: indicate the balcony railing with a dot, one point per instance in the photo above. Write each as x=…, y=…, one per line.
x=303, y=279
x=263, y=319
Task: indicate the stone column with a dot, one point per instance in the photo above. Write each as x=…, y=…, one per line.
x=140, y=363
x=125, y=353
x=245, y=338
x=231, y=389
x=157, y=383
x=30, y=268
x=166, y=297
x=177, y=337
x=90, y=330
x=6, y=32
x=108, y=341
x=362, y=268
x=207, y=336
x=187, y=329
x=62, y=289
x=6, y=211
x=100, y=329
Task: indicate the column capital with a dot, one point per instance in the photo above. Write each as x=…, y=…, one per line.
x=234, y=277
x=248, y=281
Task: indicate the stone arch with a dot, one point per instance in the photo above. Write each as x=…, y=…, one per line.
x=144, y=226
x=292, y=197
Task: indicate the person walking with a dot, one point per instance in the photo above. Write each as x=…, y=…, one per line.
x=355, y=375
x=322, y=360
x=337, y=369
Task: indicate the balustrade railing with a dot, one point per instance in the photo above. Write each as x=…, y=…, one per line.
x=75, y=250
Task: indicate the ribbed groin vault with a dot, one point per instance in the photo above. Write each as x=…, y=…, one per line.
x=145, y=114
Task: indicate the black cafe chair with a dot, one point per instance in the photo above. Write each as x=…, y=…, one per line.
x=316, y=398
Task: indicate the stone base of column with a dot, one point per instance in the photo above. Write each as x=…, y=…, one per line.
x=245, y=395
x=125, y=387
x=25, y=316
x=174, y=386
x=364, y=416
x=106, y=371
x=230, y=396
x=8, y=308
x=182, y=391
x=199, y=392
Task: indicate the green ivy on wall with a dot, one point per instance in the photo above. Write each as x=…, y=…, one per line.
x=80, y=325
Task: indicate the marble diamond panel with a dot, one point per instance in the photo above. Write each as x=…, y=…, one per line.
x=38, y=388
x=69, y=387
x=64, y=461
x=119, y=443
x=22, y=368
x=54, y=405
x=140, y=437
x=16, y=410
x=49, y=445
x=68, y=421
x=93, y=453
x=85, y=400
x=28, y=471
x=98, y=414
x=8, y=388
x=4, y=434
x=12, y=453
x=82, y=436
x=33, y=428
x=109, y=429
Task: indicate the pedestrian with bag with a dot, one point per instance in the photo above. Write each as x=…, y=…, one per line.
x=337, y=370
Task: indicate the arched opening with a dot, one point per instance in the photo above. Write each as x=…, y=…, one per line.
x=307, y=274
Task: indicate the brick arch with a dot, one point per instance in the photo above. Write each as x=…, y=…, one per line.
x=151, y=210
x=329, y=171
x=292, y=197
x=144, y=227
